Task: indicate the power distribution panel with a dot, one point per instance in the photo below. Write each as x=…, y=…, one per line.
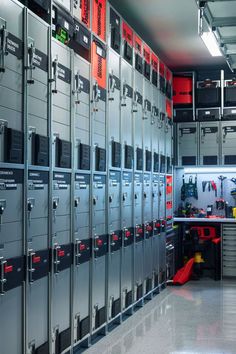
x=100, y=159
x=99, y=18
x=81, y=41
x=148, y=159
x=154, y=62
x=229, y=143
x=82, y=11
x=40, y=150
x=209, y=143
x=62, y=24
x=116, y=154
x=127, y=35
x=84, y=157
x=63, y=153
x=187, y=137
x=115, y=23
x=162, y=77
x=13, y=145
x=129, y=156
x=139, y=159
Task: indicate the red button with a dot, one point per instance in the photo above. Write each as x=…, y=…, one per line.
x=82, y=247
x=8, y=269
x=61, y=253
x=115, y=237
x=36, y=259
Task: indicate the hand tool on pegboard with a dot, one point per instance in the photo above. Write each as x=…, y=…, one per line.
x=220, y=203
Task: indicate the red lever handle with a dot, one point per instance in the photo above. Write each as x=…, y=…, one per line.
x=61, y=253
x=8, y=269
x=82, y=247
x=36, y=259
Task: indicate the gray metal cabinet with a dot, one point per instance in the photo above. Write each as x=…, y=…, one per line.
x=229, y=250
x=11, y=178
x=187, y=144
x=61, y=104
x=148, y=231
x=127, y=235
x=126, y=108
x=209, y=150
x=156, y=226
x=114, y=109
x=228, y=139
x=115, y=243
x=61, y=260
x=82, y=256
x=11, y=83
x=81, y=103
x=39, y=260
x=11, y=260
x=100, y=247
x=37, y=72
x=139, y=236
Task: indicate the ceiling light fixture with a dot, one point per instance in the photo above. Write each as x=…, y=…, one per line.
x=210, y=42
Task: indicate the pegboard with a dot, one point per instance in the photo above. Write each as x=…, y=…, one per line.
x=205, y=198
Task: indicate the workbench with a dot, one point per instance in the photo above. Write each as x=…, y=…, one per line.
x=228, y=235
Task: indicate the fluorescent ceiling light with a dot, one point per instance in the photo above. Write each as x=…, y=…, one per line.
x=209, y=169
x=211, y=43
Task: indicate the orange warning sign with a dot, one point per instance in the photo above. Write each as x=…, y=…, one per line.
x=99, y=19
x=99, y=63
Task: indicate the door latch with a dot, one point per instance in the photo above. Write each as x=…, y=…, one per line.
x=31, y=66
x=31, y=268
x=3, y=204
x=3, y=47
x=54, y=74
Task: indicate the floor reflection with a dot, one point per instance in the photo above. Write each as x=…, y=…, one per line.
x=197, y=318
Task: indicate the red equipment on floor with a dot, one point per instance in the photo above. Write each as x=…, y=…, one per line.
x=184, y=274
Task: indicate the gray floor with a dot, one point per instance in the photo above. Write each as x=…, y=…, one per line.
x=199, y=317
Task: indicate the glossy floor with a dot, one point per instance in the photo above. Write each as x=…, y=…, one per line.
x=199, y=317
